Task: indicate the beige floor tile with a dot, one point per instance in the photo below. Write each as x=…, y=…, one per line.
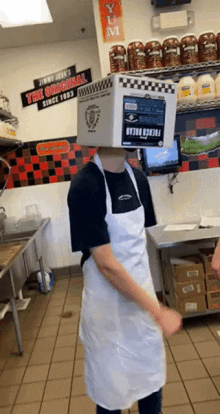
x=61, y=354
x=66, y=340
x=54, y=311
x=2, y=363
x=61, y=370
x=30, y=393
x=179, y=409
x=57, y=389
x=51, y=320
x=74, y=299
x=79, y=387
x=41, y=357
x=17, y=361
x=26, y=408
x=212, y=365
x=74, y=320
x=48, y=331
x=201, y=390
x=216, y=381
x=208, y=349
x=68, y=329
x=11, y=377
x=172, y=373
x=36, y=373
x=71, y=308
x=28, y=346
x=80, y=352
x=28, y=334
x=212, y=407
x=56, y=302
x=79, y=368
x=8, y=395
x=44, y=343
x=180, y=338
x=82, y=404
x=6, y=410
x=201, y=334
x=184, y=352
x=192, y=370
x=169, y=357
x=59, y=294
x=56, y=407
x=174, y=394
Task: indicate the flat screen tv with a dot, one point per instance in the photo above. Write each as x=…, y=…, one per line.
x=162, y=160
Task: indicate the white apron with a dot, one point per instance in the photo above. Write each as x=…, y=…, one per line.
x=124, y=350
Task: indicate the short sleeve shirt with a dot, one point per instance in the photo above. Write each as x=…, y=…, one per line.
x=87, y=204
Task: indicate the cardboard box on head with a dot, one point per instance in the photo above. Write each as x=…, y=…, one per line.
x=123, y=111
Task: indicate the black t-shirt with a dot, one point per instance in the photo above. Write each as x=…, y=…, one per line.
x=87, y=204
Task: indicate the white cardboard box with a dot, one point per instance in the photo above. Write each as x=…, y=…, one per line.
x=127, y=111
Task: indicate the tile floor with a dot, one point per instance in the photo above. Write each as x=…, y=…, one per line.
x=48, y=379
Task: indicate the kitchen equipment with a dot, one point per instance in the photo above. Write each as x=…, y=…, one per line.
x=2, y=218
x=28, y=223
x=10, y=225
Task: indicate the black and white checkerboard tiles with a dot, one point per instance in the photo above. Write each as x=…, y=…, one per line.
x=146, y=85
x=96, y=87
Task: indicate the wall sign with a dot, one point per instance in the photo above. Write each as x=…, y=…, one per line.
x=56, y=88
x=111, y=15
x=53, y=147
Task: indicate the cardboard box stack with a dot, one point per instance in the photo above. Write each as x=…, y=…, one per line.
x=212, y=283
x=187, y=285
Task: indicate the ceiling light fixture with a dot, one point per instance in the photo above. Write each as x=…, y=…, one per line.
x=24, y=12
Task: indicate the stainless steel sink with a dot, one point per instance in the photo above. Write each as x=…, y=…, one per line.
x=8, y=237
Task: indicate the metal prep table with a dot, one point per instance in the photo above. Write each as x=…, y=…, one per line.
x=163, y=241
x=11, y=283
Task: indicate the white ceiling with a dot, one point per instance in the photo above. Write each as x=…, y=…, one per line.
x=69, y=17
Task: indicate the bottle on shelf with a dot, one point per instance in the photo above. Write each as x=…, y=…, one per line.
x=187, y=90
x=206, y=87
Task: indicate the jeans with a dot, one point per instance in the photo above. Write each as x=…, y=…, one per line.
x=148, y=405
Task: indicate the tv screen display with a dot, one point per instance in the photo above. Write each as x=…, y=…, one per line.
x=162, y=160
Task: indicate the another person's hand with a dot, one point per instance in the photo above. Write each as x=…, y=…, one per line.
x=169, y=321
x=216, y=265
x=216, y=261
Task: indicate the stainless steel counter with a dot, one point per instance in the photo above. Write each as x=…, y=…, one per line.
x=10, y=281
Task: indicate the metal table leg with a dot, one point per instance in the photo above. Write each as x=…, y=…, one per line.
x=40, y=259
x=15, y=317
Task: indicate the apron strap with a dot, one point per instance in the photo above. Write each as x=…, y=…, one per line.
x=108, y=196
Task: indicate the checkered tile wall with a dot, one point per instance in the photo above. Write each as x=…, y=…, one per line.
x=28, y=168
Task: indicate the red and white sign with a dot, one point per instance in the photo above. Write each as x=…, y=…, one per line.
x=53, y=147
x=112, y=22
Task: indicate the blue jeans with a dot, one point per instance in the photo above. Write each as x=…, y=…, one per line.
x=148, y=405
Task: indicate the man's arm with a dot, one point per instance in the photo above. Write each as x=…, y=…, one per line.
x=216, y=261
x=114, y=272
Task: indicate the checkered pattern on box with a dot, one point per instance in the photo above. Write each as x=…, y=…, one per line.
x=95, y=87
x=145, y=85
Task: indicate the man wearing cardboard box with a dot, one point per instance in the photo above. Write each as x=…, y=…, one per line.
x=122, y=323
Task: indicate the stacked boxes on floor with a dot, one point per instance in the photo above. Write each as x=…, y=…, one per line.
x=187, y=286
x=212, y=283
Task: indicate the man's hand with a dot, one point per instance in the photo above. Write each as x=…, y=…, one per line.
x=169, y=321
x=216, y=265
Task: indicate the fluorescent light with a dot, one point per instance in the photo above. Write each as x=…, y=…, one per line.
x=24, y=12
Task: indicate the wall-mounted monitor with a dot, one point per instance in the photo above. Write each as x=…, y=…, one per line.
x=162, y=160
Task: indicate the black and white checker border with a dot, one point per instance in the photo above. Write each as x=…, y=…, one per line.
x=95, y=87
x=145, y=85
